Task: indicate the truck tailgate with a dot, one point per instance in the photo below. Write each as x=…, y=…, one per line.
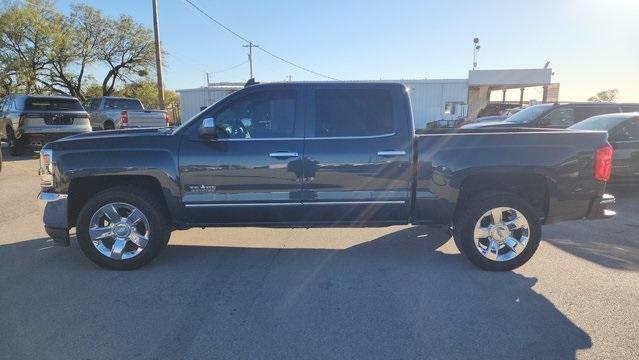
x=146, y=119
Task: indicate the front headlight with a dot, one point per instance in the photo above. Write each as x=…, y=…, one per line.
x=46, y=168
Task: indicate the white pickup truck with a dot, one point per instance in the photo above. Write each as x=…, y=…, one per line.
x=108, y=113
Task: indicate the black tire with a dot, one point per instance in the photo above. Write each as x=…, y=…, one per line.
x=149, y=205
x=108, y=125
x=472, y=211
x=16, y=147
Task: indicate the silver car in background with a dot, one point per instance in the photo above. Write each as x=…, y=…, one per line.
x=109, y=113
x=31, y=121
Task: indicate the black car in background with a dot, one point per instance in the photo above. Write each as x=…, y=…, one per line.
x=557, y=115
x=623, y=135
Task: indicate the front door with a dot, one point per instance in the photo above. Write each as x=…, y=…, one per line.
x=247, y=174
x=357, y=156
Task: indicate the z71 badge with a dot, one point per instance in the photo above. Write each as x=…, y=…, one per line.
x=199, y=188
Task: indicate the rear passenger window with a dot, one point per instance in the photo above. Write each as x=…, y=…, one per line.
x=584, y=112
x=361, y=112
x=123, y=104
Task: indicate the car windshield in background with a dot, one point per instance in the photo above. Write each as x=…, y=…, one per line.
x=123, y=104
x=602, y=122
x=529, y=114
x=52, y=104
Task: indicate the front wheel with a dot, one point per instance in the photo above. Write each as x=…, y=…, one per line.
x=122, y=228
x=497, y=231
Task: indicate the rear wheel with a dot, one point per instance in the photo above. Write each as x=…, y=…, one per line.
x=16, y=147
x=122, y=228
x=108, y=125
x=497, y=231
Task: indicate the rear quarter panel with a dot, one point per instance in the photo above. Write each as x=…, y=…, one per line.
x=563, y=158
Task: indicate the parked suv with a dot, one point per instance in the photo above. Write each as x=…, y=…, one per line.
x=108, y=113
x=558, y=115
x=29, y=121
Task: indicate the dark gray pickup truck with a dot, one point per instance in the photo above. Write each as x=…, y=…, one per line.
x=320, y=155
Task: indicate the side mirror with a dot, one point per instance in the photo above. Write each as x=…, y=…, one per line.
x=208, y=129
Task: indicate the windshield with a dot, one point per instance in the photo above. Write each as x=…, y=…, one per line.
x=528, y=114
x=603, y=122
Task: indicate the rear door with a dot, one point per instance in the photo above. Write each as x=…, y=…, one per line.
x=356, y=167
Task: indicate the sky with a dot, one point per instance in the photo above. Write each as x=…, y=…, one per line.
x=591, y=45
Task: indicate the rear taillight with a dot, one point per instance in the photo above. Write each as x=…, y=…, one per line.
x=124, y=118
x=166, y=119
x=603, y=163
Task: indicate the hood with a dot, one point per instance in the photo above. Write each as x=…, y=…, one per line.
x=491, y=124
x=110, y=134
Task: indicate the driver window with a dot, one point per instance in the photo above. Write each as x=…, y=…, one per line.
x=259, y=115
x=562, y=117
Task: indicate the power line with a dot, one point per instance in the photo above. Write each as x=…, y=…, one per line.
x=250, y=42
x=231, y=68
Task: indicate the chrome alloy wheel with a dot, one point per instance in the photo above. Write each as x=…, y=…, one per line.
x=501, y=234
x=119, y=231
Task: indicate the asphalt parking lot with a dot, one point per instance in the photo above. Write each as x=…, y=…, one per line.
x=391, y=293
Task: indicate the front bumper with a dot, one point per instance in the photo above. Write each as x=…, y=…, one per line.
x=599, y=208
x=55, y=216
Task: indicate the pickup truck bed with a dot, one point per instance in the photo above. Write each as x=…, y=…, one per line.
x=321, y=154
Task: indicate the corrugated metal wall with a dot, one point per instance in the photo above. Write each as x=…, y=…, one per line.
x=191, y=100
x=428, y=98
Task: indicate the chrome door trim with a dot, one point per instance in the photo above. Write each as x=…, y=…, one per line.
x=350, y=137
x=355, y=202
x=371, y=202
x=205, y=205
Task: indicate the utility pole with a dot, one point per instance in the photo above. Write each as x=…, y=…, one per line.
x=158, y=54
x=289, y=78
x=250, y=46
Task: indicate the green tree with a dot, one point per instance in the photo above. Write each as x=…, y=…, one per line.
x=28, y=32
x=44, y=51
x=605, y=96
x=147, y=92
x=127, y=52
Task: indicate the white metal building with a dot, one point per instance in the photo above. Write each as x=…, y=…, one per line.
x=432, y=100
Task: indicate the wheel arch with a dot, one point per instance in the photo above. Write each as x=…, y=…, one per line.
x=532, y=187
x=81, y=189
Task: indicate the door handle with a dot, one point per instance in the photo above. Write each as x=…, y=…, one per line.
x=283, y=154
x=390, y=153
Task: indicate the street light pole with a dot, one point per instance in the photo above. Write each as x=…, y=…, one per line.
x=158, y=54
x=476, y=48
